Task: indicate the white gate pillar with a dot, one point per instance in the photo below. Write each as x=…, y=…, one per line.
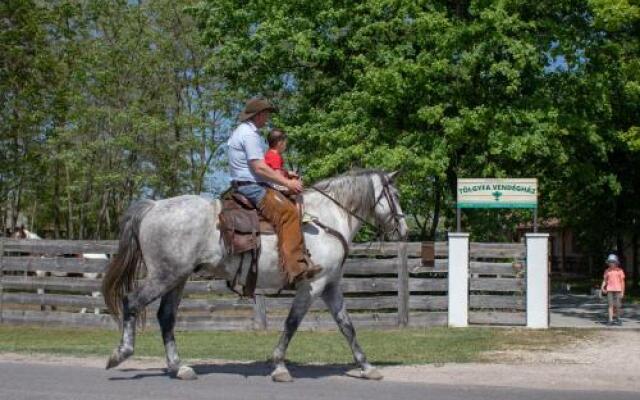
x=458, y=279
x=537, y=269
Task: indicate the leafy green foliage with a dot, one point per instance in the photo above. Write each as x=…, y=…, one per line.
x=443, y=90
x=105, y=102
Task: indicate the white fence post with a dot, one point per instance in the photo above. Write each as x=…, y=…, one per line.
x=458, y=279
x=537, y=268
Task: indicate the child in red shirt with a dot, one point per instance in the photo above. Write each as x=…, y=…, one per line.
x=613, y=286
x=277, y=140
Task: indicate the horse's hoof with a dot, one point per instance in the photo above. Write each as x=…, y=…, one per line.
x=114, y=360
x=186, y=373
x=117, y=357
x=281, y=375
x=371, y=374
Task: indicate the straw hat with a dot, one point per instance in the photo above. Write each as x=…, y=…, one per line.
x=253, y=107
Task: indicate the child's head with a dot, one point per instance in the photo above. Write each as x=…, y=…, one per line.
x=277, y=140
x=612, y=261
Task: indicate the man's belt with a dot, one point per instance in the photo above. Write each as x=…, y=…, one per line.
x=236, y=184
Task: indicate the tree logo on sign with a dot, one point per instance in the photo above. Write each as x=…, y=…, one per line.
x=497, y=195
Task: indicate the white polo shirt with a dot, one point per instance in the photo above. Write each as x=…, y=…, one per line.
x=245, y=144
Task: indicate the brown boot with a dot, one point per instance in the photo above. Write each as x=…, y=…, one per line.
x=284, y=216
x=312, y=270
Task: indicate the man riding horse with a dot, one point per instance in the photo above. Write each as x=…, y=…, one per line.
x=250, y=176
x=172, y=238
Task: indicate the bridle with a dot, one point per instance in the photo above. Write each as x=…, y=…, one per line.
x=394, y=216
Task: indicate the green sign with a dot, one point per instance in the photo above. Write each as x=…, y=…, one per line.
x=497, y=193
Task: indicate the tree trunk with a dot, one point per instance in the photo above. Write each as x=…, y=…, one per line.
x=421, y=225
x=563, y=251
x=56, y=201
x=16, y=207
x=620, y=248
x=69, y=206
x=635, y=285
x=436, y=209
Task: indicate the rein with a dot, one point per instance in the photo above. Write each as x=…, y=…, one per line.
x=385, y=192
x=336, y=202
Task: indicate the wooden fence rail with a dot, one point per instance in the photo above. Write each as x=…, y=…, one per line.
x=385, y=284
x=497, y=283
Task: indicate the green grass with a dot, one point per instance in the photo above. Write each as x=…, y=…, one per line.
x=411, y=346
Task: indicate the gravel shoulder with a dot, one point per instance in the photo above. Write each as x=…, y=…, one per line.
x=608, y=360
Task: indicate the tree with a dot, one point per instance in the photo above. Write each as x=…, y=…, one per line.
x=438, y=89
x=27, y=72
x=113, y=105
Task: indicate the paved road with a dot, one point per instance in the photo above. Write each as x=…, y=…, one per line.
x=583, y=311
x=24, y=381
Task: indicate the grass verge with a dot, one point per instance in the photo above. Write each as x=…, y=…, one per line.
x=411, y=346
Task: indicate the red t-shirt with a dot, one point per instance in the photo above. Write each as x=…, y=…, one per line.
x=274, y=160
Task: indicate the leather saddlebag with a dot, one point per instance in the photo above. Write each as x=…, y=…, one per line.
x=240, y=229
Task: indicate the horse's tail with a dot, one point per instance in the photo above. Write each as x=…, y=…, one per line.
x=122, y=271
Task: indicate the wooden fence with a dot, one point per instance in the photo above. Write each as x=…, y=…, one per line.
x=497, y=283
x=386, y=285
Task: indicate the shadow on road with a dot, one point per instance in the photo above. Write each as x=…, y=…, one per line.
x=251, y=369
x=585, y=311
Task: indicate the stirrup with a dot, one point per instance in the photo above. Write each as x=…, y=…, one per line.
x=307, y=274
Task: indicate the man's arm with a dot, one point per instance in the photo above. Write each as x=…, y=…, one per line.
x=264, y=171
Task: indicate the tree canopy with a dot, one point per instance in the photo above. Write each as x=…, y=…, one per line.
x=106, y=102
x=451, y=89
x=102, y=103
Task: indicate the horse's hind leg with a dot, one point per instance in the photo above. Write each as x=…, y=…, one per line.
x=132, y=304
x=167, y=320
x=299, y=308
x=333, y=298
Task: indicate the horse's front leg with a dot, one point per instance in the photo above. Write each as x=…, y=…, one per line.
x=299, y=308
x=333, y=298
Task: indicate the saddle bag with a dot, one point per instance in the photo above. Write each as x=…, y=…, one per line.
x=240, y=229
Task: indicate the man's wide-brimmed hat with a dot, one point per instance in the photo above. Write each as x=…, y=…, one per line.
x=253, y=107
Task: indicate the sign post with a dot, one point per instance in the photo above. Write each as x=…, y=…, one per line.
x=497, y=193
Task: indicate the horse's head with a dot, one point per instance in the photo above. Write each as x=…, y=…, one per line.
x=388, y=212
x=365, y=195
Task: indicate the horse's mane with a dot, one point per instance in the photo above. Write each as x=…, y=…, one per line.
x=353, y=189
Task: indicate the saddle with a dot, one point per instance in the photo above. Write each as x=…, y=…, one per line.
x=241, y=226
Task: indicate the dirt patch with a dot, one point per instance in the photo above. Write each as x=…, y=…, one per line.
x=93, y=362
x=607, y=360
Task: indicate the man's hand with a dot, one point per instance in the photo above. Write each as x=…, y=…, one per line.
x=295, y=185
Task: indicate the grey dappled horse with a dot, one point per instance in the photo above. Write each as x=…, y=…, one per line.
x=174, y=237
